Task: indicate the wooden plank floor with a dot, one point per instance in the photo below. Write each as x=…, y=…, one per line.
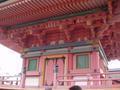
x=55, y=88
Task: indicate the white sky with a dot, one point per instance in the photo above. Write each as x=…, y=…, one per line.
x=11, y=62
x=114, y=64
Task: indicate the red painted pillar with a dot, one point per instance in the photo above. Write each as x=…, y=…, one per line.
x=42, y=70
x=70, y=62
x=70, y=65
x=95, y=67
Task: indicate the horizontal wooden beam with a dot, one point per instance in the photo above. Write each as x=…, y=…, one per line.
x=57, y=18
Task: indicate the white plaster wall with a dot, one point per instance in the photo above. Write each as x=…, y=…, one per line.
x=32, y=81
x=81, y=82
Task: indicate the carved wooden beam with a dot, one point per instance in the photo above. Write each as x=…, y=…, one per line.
x=110, y=8
x=67, y=33
x=93, y=36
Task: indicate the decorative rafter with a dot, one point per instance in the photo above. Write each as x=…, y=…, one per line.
x=110, y=8
x=31, y=10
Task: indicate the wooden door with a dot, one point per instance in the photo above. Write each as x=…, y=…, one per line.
x=50, y=70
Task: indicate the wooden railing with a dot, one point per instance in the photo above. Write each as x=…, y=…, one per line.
x=95, y=80
x=100, y=80
x=10, y=81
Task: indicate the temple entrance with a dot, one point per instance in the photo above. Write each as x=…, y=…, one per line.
x=53, y=67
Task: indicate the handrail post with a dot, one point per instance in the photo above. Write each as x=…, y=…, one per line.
x=17, y=81
x=109, y=82
x=1, y=79
x=89, y=80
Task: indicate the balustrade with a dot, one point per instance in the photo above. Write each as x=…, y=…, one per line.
x=87, y=80
x=10, y=80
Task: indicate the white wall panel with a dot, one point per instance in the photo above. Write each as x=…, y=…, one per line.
x=32, y=81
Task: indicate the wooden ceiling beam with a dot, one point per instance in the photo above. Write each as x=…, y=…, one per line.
x=33, y=10
x=110, y=8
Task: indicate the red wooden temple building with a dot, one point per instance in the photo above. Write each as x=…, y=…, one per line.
x=63, y=42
